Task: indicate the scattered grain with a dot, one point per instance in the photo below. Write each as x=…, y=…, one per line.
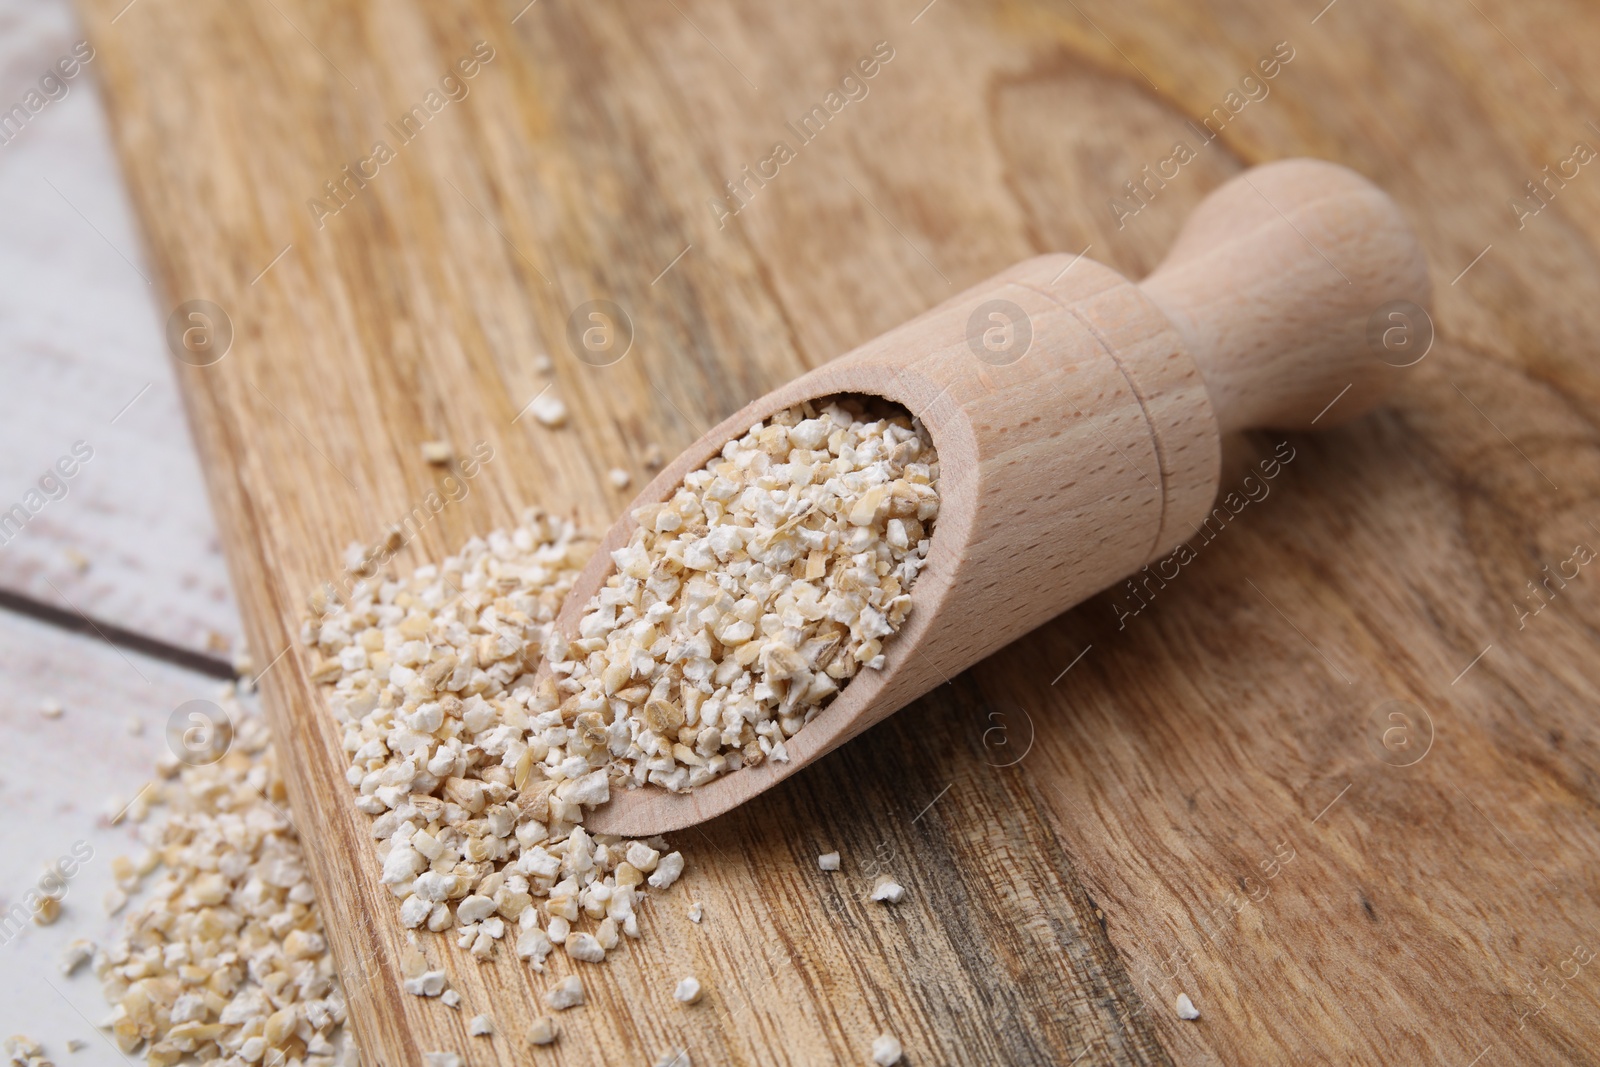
x=75, y=955
x=567, y=993
x=480, y=1026
x=225, y=959
x=888, y=890
x=426, y=984
x=437, y=453
x=542, y=1031
x=585, y=947
x=697, y=911
x=50, y=708
x=828, y=861
x=618, y=478
x=548, y=409
x=667, y=870
x=688, y=991
x=886, y=1050
x=1186, y=1008
x=24, y=1051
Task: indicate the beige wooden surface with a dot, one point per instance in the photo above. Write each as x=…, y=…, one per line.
x=1167, y=763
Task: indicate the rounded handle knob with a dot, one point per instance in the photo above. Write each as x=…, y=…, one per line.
x=1288, y=283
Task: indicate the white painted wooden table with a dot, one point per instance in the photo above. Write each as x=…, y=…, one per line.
x=129, y=550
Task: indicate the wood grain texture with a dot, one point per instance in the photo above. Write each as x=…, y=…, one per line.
x=1275, y=283
x=128, y=540
x=1052, y=485
x=1077, y=422
x=1227, y=710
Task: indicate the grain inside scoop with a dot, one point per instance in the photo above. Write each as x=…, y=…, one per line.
x=1077, y=417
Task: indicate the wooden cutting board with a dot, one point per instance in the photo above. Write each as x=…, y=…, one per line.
x=1323, y=777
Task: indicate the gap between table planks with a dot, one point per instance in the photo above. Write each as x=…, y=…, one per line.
x=129, y=540
x=70, y=776
x=1137, y=849
x=76, y=364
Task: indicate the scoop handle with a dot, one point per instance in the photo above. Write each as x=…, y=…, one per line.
x=1293, y=284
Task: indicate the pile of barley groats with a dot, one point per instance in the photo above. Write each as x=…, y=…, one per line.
x=224, y=960
x=738, y=609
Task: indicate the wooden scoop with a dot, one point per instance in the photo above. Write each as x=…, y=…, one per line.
x=1077, y=418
